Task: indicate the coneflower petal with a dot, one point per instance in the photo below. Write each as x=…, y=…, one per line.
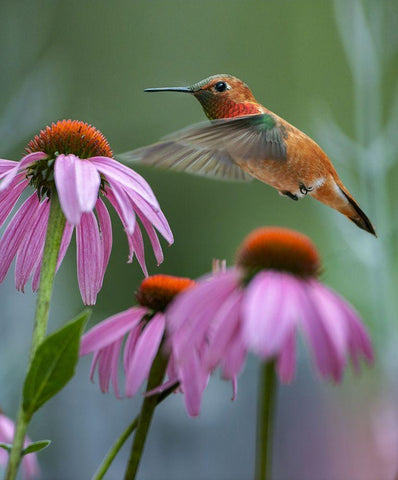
x=89, y=257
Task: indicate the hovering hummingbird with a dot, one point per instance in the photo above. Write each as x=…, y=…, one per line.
x=246, y=140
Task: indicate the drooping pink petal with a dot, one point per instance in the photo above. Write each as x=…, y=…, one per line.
x=6, y=166
x=129, y=346
x=270, y=311
x=193, y=381
x=9, y=197
x=138, y=245
x=211, y=291
x=65, y=174
x=234, y=358
x=223, y=327
x=286, y=363
x=105, y=368
x=88, y=182
x=144, y=353
x=32, y=246
x=89, y=258
x=105, y=226
x=65, y=242
x=157, y=249
x=121, y=203
x=323, y=327
x=115, y=366
x=359, y=343
x=117, y=173
x=20, y=226
x=19, y=166
x=94, y=363
x=110, y=330
x=153, y=215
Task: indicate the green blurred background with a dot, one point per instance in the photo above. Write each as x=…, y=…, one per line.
x=309, y=61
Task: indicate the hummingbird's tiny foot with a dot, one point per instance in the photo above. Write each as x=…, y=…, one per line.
x=304, y=190
x=291, y=195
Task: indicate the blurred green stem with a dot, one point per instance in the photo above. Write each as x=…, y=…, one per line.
x=104, y=467
x=147, y=410
x=265, y=421
x=55, y=228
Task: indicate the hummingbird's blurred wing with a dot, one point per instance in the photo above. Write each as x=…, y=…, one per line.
x=211, y=148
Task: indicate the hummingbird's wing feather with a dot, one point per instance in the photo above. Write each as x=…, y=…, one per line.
x=211, y=148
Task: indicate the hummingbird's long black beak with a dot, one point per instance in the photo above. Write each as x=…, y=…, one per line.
x=170, y=89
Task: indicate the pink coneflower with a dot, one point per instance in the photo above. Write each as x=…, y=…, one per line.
x=144, y=328
x=74, y=161
x=259, y=306
x=30, y=466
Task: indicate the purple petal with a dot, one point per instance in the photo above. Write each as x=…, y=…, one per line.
x=286, y=363
x=20, y=226
x=234, y=358
x=115, y=366
x=225, y=324
x=105, y=368
x=6, y=166
x=323, y=325
x=112, y=329
x=19, y=166
x=9, y=197
x=144, y=353
x=105, y=226
x=269, y=311
x=88, y=182
x=126, y=178
x=193, y=381
x=138, y=245
x=65, y=174
x=157, y=249
x=129, y=346
x=32, y=246
x=89, y=258
x=121, y=203
x=359, y=343
x=65, y=242
x=153, y=214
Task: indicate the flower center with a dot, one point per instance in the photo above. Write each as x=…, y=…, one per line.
x=70, y=136
x=64, y=137
x=158, y=291
x=274, y=248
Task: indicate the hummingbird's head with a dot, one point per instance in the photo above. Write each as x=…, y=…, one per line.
x=221, y=96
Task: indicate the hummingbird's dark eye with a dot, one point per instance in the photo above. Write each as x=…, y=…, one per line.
x=221, y=86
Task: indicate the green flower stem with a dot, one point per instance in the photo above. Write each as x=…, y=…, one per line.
x=266, y=404
x=147, y=410
x=106, y=463
x=55, y=228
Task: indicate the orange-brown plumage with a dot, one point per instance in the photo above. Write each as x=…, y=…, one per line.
x=245, y=140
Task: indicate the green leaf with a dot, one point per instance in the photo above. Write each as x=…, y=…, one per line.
x=53, y=364
x=36, y=446
x=6, y=446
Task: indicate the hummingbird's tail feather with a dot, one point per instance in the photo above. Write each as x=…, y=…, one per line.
x=334, y=194
x=356, y=214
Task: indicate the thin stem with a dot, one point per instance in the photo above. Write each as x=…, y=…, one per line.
x=106, y=463
x=147, y=410
x=265, y=422
x=55, y=228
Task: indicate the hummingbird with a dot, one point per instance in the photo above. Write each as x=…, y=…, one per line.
x=245, y=140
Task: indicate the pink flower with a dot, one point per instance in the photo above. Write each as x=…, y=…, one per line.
x=259, y=306
x=74, y=160
x=144, y=328
x=30, y=466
